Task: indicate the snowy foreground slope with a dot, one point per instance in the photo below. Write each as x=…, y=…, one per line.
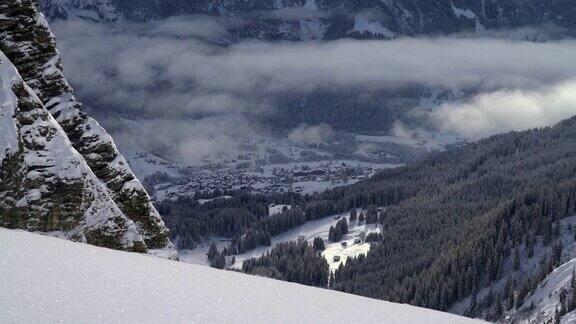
x=45, y=280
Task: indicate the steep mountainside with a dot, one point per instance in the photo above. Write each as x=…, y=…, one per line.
x=45, y=185
x=458, y=225
x=27, y=41
x=83, y=284
x=554, y=297
x=330, y=19
x=93, y=10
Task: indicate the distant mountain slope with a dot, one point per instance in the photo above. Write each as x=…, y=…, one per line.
x=45, y=185
x=76, y=283
x=93, y=10
x=27, y=41
x=454, y=223
x=331, y=19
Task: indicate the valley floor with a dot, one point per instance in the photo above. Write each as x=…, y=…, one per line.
x=307, y=231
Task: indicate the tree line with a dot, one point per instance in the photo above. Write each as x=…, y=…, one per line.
x=291, y=261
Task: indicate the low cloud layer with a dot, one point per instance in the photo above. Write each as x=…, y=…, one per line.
x=139, y=57
x=501, y=111
x=309, y=135
x=174, y=70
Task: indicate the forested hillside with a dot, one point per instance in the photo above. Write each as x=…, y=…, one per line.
x=330, y=19
x=244, y=218
x=291, y=261
x=449, y=225
x=454, y=218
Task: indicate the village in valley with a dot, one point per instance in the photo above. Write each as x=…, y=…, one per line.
x=305, y=178
x=264, y=167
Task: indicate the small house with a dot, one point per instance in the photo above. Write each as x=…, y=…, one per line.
x=336, y=258
x=344, y=244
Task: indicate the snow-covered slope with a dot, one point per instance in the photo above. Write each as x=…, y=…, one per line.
x=45, y=279
x=541, y=306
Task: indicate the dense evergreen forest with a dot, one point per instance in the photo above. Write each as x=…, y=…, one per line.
x=455, y=217
x=190, y=221
x=567, y=299
x=244, y=218
x=347, y=110
x=291, y=261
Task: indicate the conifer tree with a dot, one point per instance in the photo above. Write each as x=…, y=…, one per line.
x=516, y=259
x=318, y=244
x=353, y=215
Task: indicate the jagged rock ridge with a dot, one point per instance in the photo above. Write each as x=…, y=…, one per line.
x=26, y=40
x=45, y=185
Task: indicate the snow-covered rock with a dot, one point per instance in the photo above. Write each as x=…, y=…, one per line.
x=47, y=280
x=374, y=28
x=27, y=41
x=92, y=10
x=45, y=185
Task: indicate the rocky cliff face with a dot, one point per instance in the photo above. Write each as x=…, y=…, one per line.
x=27, y=42
x=45, y=185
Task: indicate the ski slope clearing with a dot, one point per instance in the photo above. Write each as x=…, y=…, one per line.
x=47, y=280
x=308, y=231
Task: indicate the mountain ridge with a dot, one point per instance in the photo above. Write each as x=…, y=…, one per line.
x=27, y=41
x=332, y=19
x=45, y=185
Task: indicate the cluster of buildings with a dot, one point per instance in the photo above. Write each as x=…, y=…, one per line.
x=303, y=177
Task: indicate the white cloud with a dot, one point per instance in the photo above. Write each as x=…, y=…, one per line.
x=317, y=134
x=167, y=70
x=144, y=59
x=503, y=111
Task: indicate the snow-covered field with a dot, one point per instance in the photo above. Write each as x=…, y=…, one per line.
x=277, y=209
x=336, y=249
x=48, y=280
x=203, y=201
x=416, y=138
x=309, y=231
